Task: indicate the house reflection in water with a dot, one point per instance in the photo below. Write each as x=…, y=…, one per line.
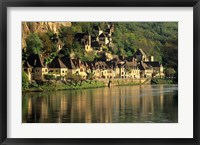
x=103, y=105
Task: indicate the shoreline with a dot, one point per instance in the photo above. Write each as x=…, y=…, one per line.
x=59, y=86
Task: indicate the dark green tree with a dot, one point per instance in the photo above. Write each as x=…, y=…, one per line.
x=25, y=81
x=34, y=44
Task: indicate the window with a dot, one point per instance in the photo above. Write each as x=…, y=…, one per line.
x=45, y=70
x=63, y=71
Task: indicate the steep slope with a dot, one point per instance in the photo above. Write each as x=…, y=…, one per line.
x=35, y=27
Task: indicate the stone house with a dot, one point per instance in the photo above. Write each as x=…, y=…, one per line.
x=132, y=70
x=158, y=70
x=104, y=69
x=85, y=40
x=58, y=69
x=97, y=30
x=140, y=55
x=39, y=69
x=103, y=39
x=74, y=66
x=145, y=70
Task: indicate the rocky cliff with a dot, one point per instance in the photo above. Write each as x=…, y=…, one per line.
x=31, y=27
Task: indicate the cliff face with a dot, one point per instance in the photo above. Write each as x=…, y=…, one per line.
x=31, y=27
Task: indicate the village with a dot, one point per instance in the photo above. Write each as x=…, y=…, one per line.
x=107, y=66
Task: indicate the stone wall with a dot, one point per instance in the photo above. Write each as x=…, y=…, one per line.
x=128, y=81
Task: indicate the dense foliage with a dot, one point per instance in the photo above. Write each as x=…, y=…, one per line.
x=159, y=39
x=25, y=81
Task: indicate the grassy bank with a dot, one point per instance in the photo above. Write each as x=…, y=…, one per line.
x=61, y=86
x=58, y=85
x=161, y=81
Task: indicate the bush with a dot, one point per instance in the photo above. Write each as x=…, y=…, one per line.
x=49, y=77
x=25, y=81
x=33, y=85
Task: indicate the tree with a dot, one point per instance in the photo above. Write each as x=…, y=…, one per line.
x=65, y=51
x=47, y=43
x=170, y=72
x=89, y=56
x=25, y=81
x=77, y=49
x=34, y=44
x=66, y=35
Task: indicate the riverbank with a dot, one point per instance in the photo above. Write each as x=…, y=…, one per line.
x=161, y=81
x=59, y=85
x=56, y=86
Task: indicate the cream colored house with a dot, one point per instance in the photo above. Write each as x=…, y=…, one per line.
x=103, y=39
x=145, y=70
x=74, y=66
x=58, y=69
x=39, y=70
x=132, y=70
x=28, y=69
x=158, y=70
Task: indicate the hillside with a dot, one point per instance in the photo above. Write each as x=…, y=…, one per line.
x=159, y=39
x=40, y=27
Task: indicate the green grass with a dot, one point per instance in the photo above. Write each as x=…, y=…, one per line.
x=161, y=81
x=61, y=86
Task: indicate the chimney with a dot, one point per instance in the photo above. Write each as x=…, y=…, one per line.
x=151, y=59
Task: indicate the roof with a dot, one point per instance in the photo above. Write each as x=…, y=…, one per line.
x=110, y=64
x=130, y=64
x=153, y=63
x=130, y=58
x=35, y=60
x=95, y=44
x=27, y=65
x=70, y=63
x=90, y=64
x=101, y=65
x=102, y=35
x=140, y=52
x=143, y=66
x=118, y=59
x=57, y=63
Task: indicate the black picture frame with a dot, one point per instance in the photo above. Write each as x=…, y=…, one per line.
x=4, y=4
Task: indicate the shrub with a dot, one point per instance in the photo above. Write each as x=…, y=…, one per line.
x=25, y=81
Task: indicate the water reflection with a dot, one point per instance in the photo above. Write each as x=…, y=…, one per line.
x=125, y=104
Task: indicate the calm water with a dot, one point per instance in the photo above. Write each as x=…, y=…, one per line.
x=139, y=104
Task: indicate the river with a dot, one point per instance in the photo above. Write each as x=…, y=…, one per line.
x=118, y=104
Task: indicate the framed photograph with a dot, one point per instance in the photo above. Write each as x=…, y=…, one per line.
x=99, y=72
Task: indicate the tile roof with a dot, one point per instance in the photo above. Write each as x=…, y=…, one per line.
x=143, y=66
x=27, y=65
x=70, y=63
x=139, y=52
x=57, y=63
x=102, y=35
x=35, y=60
x=153, y=63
